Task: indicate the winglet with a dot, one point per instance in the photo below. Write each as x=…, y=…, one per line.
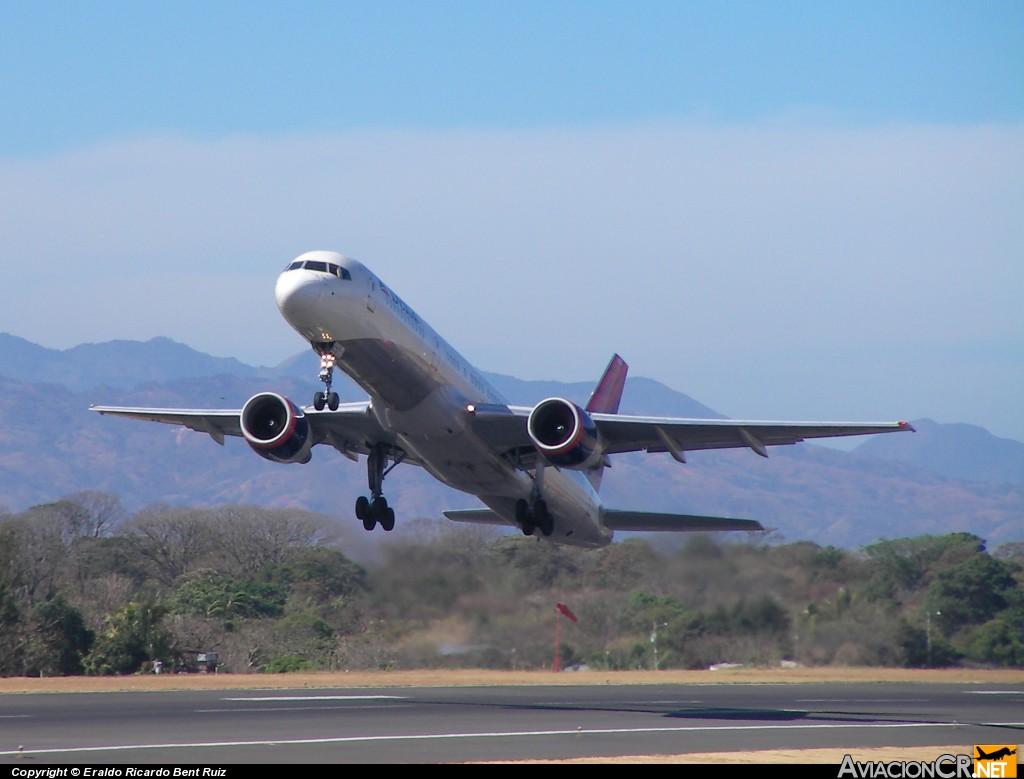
x=606, y=396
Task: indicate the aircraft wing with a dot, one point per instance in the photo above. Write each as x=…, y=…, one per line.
x=656, y=434
x=504, y=427
x=351, y=429
x=217, y=422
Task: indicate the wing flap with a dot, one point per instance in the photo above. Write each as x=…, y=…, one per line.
x=502, y=427
x=618, y=519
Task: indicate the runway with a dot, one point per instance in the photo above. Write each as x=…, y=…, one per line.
x=460, y=724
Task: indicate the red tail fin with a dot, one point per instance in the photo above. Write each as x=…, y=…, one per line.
x=606, y=396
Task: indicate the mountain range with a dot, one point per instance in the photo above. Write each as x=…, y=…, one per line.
x=944, y=478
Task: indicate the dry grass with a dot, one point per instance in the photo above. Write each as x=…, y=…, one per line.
x=474, y=678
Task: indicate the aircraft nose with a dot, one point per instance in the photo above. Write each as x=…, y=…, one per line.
x=296, y=292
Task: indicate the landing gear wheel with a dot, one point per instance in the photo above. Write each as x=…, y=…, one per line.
x=332, y=401
x=363, y=509
x=522, y=511
x=524, y=518
x=319, y=401
x=374, y=510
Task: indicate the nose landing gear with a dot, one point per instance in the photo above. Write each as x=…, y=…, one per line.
x=327, y=397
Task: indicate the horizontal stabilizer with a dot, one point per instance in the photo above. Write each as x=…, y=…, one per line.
x=615, y=519
x=476, y=516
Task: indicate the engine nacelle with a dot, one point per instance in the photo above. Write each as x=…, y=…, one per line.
x=276, y=428
x=565, y=434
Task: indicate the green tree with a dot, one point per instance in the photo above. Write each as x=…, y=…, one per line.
x=213, y=595
x=300, y=641
x=58, y=641
x=130, y=637
x=319, y=573
x=1000, y=641
x=907, y=564
x=970, y=593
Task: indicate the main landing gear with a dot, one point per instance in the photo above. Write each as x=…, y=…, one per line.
x=535, y=517
x=326, y=398
x=374, y=511
x=375, y=508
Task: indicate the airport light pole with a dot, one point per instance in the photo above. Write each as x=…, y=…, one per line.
x=928, y=635
x=654, y=640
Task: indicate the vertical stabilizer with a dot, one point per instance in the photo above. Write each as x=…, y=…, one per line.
x=605, y=400
x=608, y=392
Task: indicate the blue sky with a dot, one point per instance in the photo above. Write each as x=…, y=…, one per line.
x=86, y=72
x=802, y=210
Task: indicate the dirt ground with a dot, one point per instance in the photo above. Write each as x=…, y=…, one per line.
x=495, y=678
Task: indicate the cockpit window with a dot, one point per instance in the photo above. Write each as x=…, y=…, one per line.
x=321, y=267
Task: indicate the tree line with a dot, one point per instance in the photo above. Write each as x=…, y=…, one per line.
x=88, y=588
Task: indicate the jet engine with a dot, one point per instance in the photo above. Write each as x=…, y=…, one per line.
x=276, y=428
x=565, y=434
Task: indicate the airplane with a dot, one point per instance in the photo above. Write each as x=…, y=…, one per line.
x=536, y=468
x=999, y=754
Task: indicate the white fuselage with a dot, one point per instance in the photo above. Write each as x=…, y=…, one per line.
x=419, y=389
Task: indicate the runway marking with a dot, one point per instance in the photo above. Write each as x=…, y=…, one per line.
x=279, y=709
x=993, y=692
x=323, y=698
x=862, y=700
x=503, y=734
